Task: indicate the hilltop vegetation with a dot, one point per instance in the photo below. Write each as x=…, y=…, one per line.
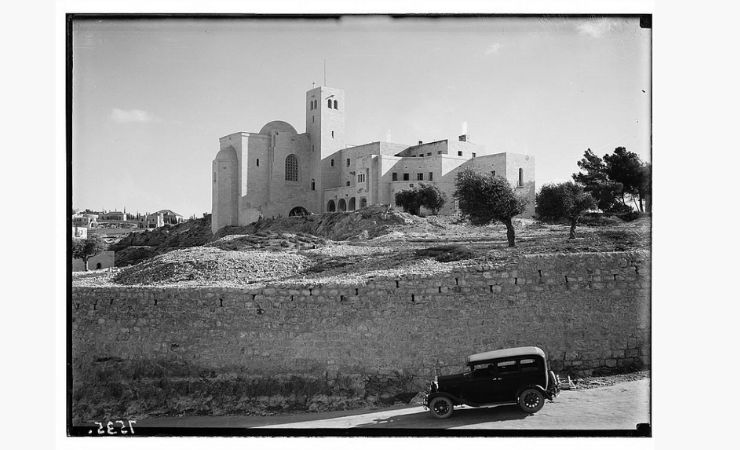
x=349, y=248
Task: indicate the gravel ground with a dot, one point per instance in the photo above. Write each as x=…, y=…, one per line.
x=205, y=265
x=298, y=257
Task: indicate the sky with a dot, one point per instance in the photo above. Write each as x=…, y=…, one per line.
x=151, y=98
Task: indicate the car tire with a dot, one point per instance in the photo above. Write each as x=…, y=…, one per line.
x=531, y=400
x=441, y=407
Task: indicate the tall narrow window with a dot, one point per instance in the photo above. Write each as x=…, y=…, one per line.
x=332, y=163
x=258, y=162
x=521, y=177
x=313, y=184
x=347, y=162
x=431, y=176
x=328, y=103
x=291, y=168
x=332, y=134
x=336, y=104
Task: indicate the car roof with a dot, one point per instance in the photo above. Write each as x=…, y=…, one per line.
x=505, y=353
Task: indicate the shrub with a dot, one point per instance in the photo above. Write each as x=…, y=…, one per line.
x=427, y=195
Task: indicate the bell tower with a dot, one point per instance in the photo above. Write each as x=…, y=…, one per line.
x=325, y=130
x=325, y=120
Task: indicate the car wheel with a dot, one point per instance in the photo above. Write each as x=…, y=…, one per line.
x=441, y=407
x=531, y=400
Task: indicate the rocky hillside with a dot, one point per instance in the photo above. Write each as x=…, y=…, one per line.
x=141, y=245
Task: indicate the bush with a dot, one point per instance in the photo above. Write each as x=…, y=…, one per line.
x=427, y=195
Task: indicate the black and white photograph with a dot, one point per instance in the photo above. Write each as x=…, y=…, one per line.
x=329, y=225
x=359, y=225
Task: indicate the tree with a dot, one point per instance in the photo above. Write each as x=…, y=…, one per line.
x=594, y=179
x=486, y=198
x=626, y=168
x=610, y=179
x=427, y=195
x=85, y=249
x=563, y=201
x=431, y=197
x=409, y=201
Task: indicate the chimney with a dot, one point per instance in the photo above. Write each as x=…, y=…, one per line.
x=420, y=142
x=463, y=138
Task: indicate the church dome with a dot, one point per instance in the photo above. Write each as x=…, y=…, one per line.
x=278, y=125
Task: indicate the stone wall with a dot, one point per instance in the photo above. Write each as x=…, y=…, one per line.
x=587, y=311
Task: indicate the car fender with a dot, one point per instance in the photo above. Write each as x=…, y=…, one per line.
x=455, y=400
x=534, y=386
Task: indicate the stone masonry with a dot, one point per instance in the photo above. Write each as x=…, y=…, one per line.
x=587, y=311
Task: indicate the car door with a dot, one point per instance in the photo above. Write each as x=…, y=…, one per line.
x=480, y=386
x=506, y=379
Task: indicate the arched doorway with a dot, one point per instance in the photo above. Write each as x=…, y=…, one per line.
x=298, y=211
x=331, y=206
x=342, y=205
x=363, y=202
x=352, y=204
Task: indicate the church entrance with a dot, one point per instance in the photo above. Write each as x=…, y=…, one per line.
x=298, y=211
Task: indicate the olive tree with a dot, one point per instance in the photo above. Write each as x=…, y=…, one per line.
x=487, y=198
x=427, y=195
x=563, y=201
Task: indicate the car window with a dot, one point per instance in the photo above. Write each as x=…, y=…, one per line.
x=528, y=365
x=508, y=366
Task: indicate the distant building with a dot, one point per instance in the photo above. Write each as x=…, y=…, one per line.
x=170, y=217
x=278, y=171
x=113, y=216
x=85, y=220
x=161, y=218
x=79, y=232
x=102, y=260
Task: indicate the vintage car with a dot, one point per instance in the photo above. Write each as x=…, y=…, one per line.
x=518, y=376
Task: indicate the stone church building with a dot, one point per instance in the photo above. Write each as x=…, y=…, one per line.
x=278, y=171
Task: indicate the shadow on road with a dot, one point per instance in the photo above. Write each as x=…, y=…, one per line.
x=467, y=416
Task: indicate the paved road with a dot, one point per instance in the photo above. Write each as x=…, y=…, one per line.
x=617, y=407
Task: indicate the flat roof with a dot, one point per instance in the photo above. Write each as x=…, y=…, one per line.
x=505, y=353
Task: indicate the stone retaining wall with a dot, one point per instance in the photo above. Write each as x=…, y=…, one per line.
x=587, y=311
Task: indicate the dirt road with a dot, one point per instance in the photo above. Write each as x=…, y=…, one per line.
x=618, y=407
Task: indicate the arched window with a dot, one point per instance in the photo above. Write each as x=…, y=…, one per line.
x=313, y=184
x=342, y=205
x=363, y=202
x=352, y=204
x=336, y=104
x=291, y=168
x=98, y=266
x=328, y=103
x=331, y=207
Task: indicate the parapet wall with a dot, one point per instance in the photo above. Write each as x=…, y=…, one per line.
x=587, y=311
